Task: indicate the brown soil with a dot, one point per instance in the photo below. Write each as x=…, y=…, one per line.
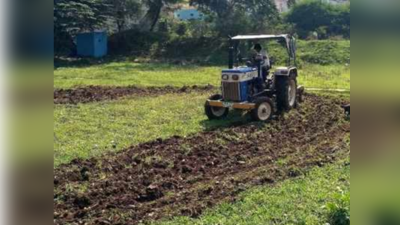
x=101, y=93
x=184, y=176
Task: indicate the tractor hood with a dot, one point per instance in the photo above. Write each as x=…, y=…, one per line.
x=240, y=70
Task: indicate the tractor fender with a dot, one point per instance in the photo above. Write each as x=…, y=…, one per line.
x=286, y=71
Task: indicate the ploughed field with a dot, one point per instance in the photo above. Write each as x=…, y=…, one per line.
x=185, y=175
x=102, y=93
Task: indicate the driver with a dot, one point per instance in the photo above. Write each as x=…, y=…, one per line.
x=258, y=49
x=265, y=64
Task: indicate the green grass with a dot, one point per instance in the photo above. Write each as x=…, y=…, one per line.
x=316, y=198
x=325, y=77
x=128, y=73
x=87, y=130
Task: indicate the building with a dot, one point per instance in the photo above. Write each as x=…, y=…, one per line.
x=188, y=14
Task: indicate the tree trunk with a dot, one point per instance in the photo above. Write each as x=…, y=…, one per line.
x=156, y=18
x=152, y=16
x=120, y=25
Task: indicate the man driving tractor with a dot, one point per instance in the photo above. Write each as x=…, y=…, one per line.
x=251, y=88
x=258, y=51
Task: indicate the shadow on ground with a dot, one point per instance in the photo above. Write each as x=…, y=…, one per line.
x=235, y=118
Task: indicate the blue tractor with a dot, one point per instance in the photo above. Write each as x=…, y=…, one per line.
x=255, y=87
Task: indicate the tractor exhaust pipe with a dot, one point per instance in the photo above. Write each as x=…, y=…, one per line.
x=231, y=52
x=230, y=66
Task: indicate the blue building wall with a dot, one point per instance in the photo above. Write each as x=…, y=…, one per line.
x=92, y=44
x=188, y=14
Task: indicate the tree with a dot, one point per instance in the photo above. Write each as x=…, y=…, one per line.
x=220, y=7
x=291, y=3
x=123, y=11
x=239, y=16
x=152, y=16
x=321, y=16
x=263, y=14
x=74, y=16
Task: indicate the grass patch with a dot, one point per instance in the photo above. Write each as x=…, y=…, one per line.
x=128, y=73
x=87, y=130
x=325, y=77
x=321, y=196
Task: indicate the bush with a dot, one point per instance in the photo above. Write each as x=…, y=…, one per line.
x=211, y=50
x=324, y=52
x=324, y=18
x=135, y=42
x=181, y=30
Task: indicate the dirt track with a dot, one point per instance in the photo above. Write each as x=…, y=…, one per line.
x=101, y=93
x=183, y=176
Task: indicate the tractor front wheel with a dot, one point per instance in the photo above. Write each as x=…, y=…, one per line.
x=215, y=113
x=264, y=109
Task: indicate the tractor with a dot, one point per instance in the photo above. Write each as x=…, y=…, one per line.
x=255, y=87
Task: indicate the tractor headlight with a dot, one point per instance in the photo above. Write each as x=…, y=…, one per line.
x=235, y=77
x=225, y=77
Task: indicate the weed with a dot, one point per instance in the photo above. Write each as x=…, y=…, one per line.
x=186, y=148
x=339, y=208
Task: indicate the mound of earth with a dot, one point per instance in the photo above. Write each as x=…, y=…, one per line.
x=184, y=176
x=101, y=93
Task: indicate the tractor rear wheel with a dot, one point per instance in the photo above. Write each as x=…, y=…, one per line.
x=286, y=92
x=215, y=113
x=264, y=109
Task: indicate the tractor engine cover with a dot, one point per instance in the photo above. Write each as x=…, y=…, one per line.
x=236, y=83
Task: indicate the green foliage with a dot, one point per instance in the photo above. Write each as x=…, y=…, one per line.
x=181, y=30
x=320, y=52
x=75, y=16
x=263, y=14
x=153, y=13
x=319, y=16
x=231, y=17
x=134, y=42
x=291, y=3
x=324, y=52
x=339, y=208
x=122, y=11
